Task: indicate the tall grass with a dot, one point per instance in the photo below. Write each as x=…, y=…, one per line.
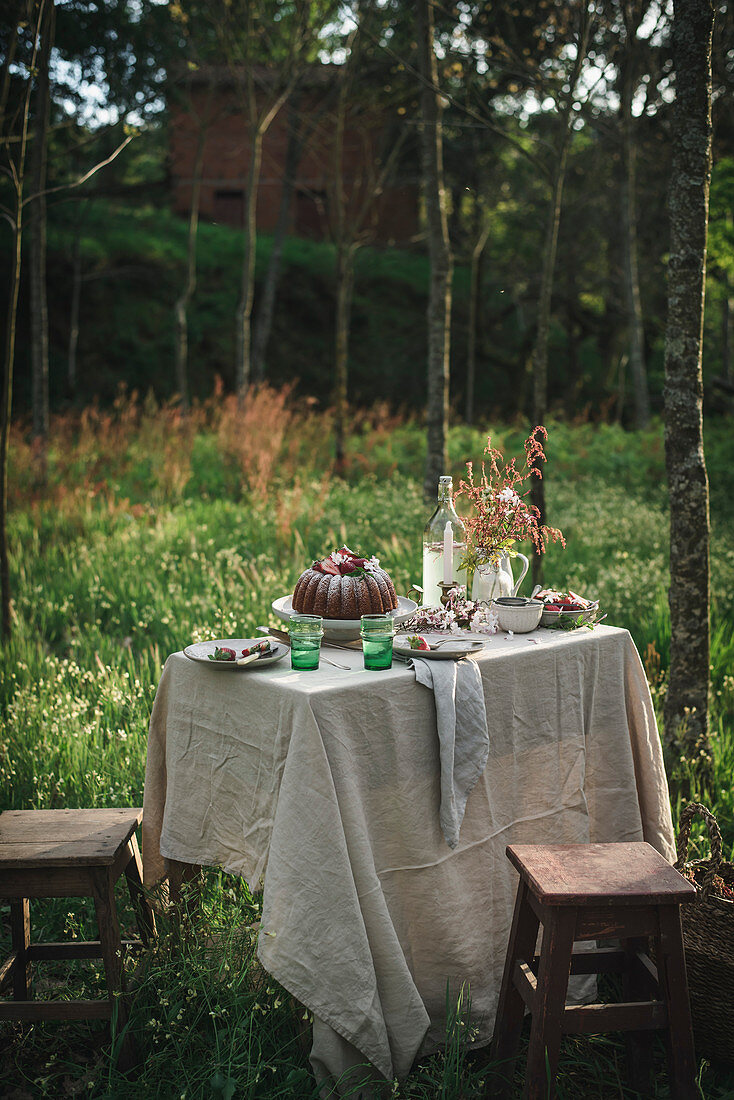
x=151, y=530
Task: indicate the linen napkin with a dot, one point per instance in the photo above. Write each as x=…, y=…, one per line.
x=463, y=736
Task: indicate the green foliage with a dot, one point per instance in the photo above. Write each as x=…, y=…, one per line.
x=134, y=550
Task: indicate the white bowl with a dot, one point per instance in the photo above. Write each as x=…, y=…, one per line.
x=344, y=630
x=517, y=614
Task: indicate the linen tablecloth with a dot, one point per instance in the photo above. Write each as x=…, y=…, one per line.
x=327, y=784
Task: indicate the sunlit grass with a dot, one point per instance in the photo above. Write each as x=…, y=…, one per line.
x=153, y=530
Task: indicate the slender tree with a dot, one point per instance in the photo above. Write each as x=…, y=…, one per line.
x=632, y=15
x=249, y=34
x=539, y=360
x=14, y=119
x=686, y=704
x=439, y=252
x=298, y=132
x=363, y=114
x=36, y=217
x=480, y=238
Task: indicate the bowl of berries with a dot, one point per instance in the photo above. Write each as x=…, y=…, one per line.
x=565, y=608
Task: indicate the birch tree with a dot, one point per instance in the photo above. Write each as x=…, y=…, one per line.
x=266, y=46
x=439, y=252
x=539, y=358
x=364, y=114
x=14, y=118
x=686, y=704
x=632, y=14
x=37, y=217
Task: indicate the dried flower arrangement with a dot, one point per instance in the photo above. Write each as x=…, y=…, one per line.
x=502, y=516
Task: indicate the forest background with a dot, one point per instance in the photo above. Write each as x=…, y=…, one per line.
x=504, y=72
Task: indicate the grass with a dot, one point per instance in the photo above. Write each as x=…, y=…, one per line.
x=150, y=531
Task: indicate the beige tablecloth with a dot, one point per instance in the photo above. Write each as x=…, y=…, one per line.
x=327, y=783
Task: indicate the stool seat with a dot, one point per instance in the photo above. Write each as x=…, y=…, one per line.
x=71, y=853
x=57, y=838
x=624, y=892
x=599, y=874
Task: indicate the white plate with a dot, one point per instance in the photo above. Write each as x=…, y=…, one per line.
x=199, y=651
x=450, y=650
x=344, y=630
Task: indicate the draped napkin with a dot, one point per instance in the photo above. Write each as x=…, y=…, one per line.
x=463, y=736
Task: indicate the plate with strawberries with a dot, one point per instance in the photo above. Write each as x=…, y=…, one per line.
x=236, y=653
x=436, y=647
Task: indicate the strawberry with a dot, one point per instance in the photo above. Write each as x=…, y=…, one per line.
x=329, y=567
x=223, y=654
x=417, y=642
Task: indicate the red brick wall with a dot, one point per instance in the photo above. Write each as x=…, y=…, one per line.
x=227, y=158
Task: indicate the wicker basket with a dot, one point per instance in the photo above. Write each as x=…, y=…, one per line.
x=708, y=933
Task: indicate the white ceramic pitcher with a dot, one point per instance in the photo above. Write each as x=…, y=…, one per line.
x=494, y=578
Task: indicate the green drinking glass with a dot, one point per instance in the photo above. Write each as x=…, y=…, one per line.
x=377, y=634
x=306, y=632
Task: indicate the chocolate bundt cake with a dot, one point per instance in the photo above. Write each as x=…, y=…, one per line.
x=344, y=586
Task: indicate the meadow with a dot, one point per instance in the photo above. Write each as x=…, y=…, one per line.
x=145, y=530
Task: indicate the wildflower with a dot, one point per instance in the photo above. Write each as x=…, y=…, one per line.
x=502, y=517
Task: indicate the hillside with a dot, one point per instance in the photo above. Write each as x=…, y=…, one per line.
x=133, y=263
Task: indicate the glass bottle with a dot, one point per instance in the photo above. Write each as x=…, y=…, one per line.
x=444, y=545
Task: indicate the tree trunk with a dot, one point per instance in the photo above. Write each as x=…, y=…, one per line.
x=247, y=290
x=264, y=320
x=182, y=303
x=37, y=233
x=540, y=351
x=7, y=401
x=18, y=147
x=635, y=329
x=439, y=251
x=471, y=342
x=76, y=294
x=344, y=288
x=686, y=705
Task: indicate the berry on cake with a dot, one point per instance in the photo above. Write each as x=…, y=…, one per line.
x=344, y=586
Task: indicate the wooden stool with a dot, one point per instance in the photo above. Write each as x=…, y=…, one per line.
x=70, y=853
x=625, y=892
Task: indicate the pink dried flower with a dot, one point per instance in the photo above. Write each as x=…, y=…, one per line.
x=501, y=514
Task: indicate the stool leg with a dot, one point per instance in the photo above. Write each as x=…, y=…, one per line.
x=134, y=875
x=550, y=1001
x=511, y=1007
x=20, y=930
x=674, y=987
x=111, y=947
x=638, y=1043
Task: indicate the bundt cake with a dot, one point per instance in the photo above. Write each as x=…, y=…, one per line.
x=344, y=586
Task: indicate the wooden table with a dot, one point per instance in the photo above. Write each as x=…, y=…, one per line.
x=327, y=785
